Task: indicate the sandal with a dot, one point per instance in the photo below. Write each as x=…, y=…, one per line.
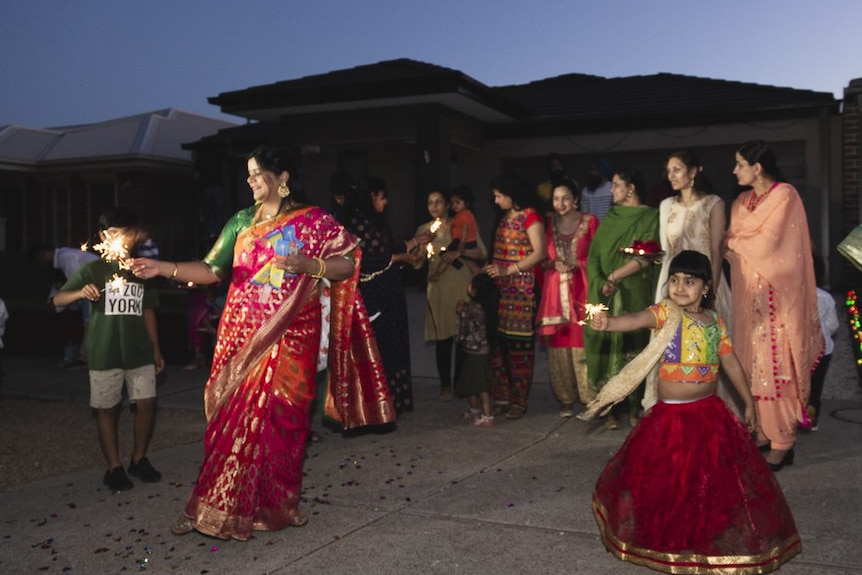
x=516, y=412
x=299, y=519
x=183, y=525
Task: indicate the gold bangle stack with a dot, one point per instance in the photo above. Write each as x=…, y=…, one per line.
x=321, y=269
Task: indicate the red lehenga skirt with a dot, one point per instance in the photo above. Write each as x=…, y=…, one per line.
x=688, y=492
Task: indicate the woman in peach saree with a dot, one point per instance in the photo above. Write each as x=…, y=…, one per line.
x=776, y=326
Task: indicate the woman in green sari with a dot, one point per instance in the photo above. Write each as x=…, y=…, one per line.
x=622, y=282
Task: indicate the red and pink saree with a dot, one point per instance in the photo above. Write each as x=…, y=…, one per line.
x=261, y=385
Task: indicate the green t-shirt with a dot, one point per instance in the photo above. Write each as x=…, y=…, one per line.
x=116, y=335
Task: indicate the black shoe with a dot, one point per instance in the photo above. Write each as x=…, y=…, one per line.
x=144, y=471
x=788, y=458
x=117, y=480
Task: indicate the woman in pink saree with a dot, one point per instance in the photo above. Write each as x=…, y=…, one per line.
x=776, y=326
x=277, y=254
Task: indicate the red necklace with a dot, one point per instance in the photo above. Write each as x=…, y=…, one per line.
x=754, y=200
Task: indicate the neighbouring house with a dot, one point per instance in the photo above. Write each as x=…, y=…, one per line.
x=419, y=125
x=54, y=183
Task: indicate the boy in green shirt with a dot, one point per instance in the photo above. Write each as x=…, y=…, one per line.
x=123, y=345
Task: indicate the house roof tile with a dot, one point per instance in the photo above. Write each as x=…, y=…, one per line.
x=156, y=134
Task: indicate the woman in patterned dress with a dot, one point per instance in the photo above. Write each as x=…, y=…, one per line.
x=381, y=285
x=519, y=248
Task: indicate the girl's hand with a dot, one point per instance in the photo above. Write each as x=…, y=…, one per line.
x=750, y=417
x=494, y=270
x=600, y=321
x=562, y=267
x=609, y=288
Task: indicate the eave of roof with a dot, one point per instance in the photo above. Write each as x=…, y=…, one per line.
x=383, y=84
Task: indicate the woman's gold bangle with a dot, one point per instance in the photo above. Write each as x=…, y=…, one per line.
x=321, y=269
x=176, y=270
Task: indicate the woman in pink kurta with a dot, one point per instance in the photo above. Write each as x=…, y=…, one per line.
x=568, y=236
x=776, y=327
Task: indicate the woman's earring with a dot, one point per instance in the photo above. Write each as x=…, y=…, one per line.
x=283, y=190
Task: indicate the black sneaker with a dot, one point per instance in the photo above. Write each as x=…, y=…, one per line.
x=117, y=480
x=144, y=471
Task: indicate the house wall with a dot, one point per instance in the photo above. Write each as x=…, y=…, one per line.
x=392, y=144
x=805, y=149
x=850, y=183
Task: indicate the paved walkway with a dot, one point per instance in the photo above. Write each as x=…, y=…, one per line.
x=432, y=497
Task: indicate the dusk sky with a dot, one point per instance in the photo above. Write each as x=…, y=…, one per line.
x=70, y=62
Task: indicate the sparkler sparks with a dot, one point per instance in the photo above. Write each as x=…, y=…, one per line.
x=591, y=309
x=112, y=249
x=435, y=225
x=116, y=283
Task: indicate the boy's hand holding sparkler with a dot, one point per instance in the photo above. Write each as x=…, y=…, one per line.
x=91, y=292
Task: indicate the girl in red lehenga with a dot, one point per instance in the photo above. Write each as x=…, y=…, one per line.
x=688, y=491
x=278, y=253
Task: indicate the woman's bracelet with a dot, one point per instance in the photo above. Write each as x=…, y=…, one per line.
x=321, y=269
x=176, y=270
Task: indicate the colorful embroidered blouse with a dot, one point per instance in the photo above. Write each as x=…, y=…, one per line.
x=694, y=352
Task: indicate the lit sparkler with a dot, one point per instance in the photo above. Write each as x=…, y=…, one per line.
x=116, y=283
x=591, y=309
x=435, y=225
x=112, y=249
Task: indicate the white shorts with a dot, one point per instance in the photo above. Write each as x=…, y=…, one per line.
x=106, y=385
